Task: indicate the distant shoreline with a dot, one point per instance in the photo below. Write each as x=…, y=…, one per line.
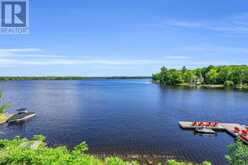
x=20, y=78
x=205, y=86
x=224, y=76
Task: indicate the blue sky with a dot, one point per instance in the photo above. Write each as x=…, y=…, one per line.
x=126, y=38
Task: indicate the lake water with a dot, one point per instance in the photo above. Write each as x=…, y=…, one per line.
x=125, y=116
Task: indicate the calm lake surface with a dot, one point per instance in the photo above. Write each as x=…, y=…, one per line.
x=125, y=116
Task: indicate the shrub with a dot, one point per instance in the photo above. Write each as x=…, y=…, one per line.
x=5, y=106
x=17, y=152
x=174, y=162
x=237, y=153
x=13, y=152
x=39, y=138
x=229, y=83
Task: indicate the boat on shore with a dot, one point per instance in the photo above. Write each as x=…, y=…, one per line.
x=21, y=115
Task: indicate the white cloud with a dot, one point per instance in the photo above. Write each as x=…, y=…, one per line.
x=78, y=62
x=21, y=50
x=218, y=27
x=26, y=53
x=222, y=50
x=233, y=24
x=33, y=56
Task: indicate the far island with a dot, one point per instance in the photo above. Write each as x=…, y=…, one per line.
x=232, y=76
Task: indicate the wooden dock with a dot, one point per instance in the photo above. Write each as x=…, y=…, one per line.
x=227, y=127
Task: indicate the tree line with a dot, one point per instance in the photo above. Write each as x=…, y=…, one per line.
x=8, y=78
x=232, y=75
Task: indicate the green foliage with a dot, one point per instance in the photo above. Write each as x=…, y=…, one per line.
x=237, y=153
x=229, y=83
x=234, y=76
x=13, y=152
x=211, y=77
x=117, y=161
x=17, y=152
x=81, y=148
x=168, y=77
x=5, y=106
x=206, y=163
x=174, y=162
x=39, y=138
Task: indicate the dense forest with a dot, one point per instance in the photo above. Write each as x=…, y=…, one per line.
x=226, y=76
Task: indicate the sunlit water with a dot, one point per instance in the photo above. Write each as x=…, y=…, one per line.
x=125, y=116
